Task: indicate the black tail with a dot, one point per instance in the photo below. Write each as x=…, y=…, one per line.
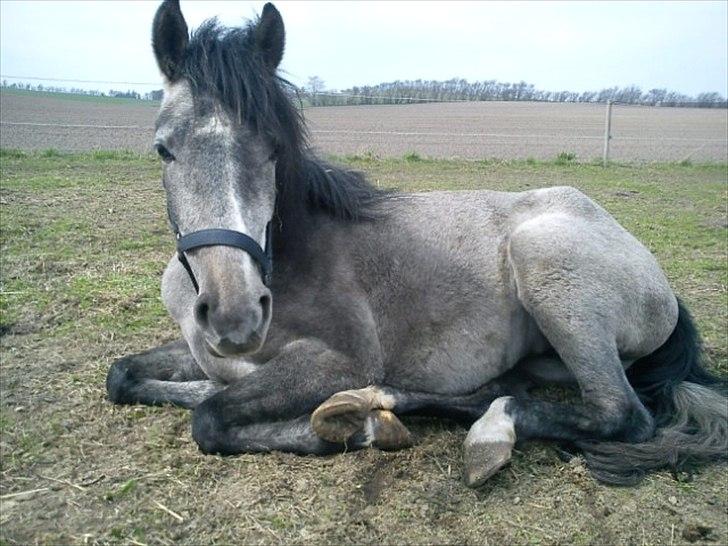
x=690, y=407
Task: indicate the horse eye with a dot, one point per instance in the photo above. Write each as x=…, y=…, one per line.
x=164, y=153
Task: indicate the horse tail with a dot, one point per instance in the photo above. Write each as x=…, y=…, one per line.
x=689, y=405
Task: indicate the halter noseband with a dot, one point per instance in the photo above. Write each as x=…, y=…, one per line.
x=226, y=237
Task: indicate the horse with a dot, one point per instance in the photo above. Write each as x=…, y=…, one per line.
x=450, y=304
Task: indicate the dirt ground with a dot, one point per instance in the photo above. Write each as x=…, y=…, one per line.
x=84, y=242
x=478, y=130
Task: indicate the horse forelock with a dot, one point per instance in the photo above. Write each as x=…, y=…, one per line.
x=224, y=63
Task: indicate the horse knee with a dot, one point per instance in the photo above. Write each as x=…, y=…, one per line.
x=120, y=382
x=208, y=429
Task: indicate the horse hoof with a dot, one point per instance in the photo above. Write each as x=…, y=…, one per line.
x=385, y=431
x=483, y=460
x=120, y=382
x=340, y=416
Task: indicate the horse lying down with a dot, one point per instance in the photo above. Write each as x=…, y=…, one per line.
x=444, y=303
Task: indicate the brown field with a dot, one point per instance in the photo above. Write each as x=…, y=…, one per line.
x=480, y=130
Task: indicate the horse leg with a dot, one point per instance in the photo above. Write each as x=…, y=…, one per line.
x=295, y=436
x=609, y=408
x=578, y=307
x=292, y=436
x=349, y=412
x=165, y=375
x=290, y=385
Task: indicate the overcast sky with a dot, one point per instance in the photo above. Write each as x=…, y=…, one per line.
x=577, y=46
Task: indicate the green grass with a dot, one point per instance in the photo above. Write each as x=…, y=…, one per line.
x=84, y=240
x=412, y=156
x=564, y=158
x=78, y=97
x=8, y=153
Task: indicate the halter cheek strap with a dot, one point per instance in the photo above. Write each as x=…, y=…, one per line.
x=227, y=237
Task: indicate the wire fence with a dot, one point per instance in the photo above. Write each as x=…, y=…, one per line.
x=340, y=98
x=448, y=91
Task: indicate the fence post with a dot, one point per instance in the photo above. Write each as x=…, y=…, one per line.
x=607, y=133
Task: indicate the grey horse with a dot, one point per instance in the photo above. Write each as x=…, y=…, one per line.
x=443, y=303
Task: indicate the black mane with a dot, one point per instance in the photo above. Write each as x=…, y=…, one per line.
x=225, y=63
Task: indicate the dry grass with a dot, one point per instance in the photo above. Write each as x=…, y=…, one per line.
x=84, y=242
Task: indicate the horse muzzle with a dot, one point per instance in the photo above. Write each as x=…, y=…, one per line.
x=232, y=332
x=229, y=328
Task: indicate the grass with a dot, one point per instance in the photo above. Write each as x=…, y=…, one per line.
x=77, y=97
x=564, y=158
x=84, y=241
x=412, y=156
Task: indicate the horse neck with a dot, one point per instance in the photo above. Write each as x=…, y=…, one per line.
x=317, y=199
x=294, y=223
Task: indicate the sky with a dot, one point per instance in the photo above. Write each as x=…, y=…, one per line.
x=577, y=46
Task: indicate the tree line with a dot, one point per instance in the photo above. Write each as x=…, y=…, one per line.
x=414, y=91
x=155, y=95
x=410, y=91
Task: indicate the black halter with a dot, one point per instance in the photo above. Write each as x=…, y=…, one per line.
x=226, y=237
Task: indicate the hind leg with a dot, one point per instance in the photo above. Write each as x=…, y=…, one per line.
x=612, y=414
x=165, y=375
x=608, y=410
x=580, y=306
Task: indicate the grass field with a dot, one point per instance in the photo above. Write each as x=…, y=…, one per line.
x=84, y=241
x=77, y=97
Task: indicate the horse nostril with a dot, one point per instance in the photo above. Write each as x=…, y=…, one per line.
x=202, y=310
x=265, y=305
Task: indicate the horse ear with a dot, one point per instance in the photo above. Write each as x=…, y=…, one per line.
x=270, y=36
x=169, y=38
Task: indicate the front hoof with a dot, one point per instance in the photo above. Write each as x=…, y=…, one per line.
x=340, y=416
x=483, y=460
x=385, y=431
x=120, y=383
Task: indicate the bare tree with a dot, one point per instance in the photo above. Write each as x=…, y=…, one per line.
x=315, y=86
